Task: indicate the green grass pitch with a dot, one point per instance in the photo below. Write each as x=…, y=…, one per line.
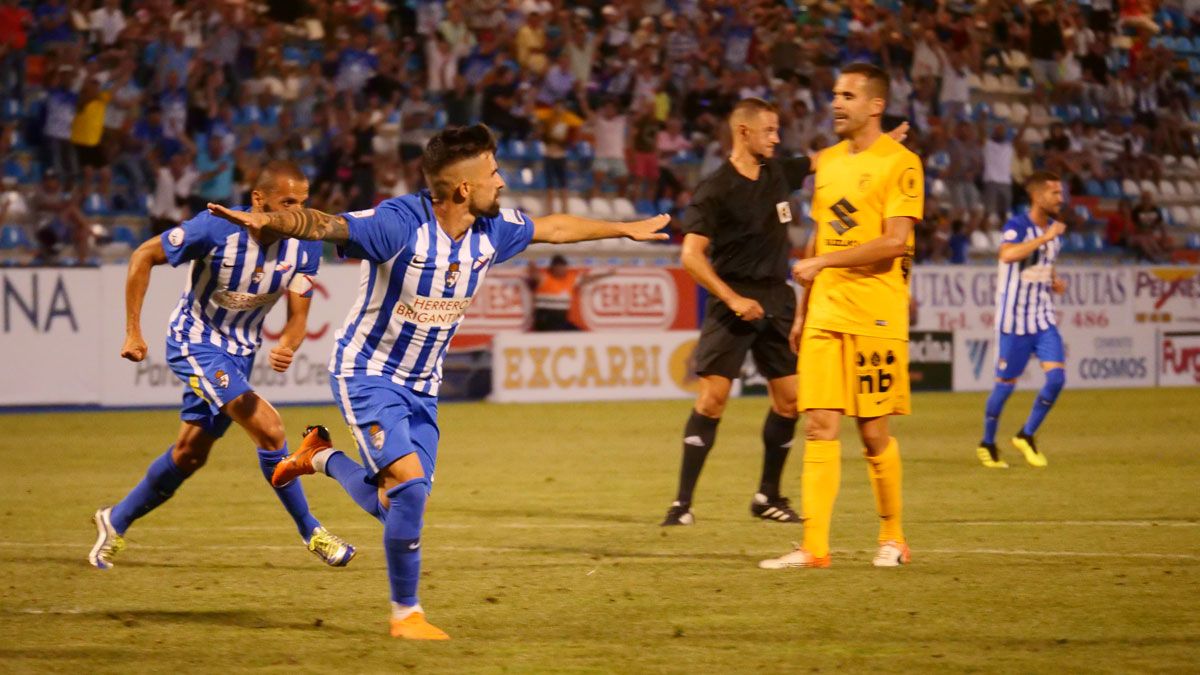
x=542, y=551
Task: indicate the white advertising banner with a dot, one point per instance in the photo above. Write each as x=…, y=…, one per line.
x=590, y=366
x=959, y=297
x=1167, y=297
x=1095, y=359
x=1179, y=358
x=48, y=348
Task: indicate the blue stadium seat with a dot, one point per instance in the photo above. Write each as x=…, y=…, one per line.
x=123, y=234
x=14, y=236
x=1093, y=188
x=1095, y=243
x=1074, y=113
x=1075, y=243
x=644, y=206
x=1193, y=242
x=1058, y=112
x=95, y=205
x=1112, y=189
x=664, y=205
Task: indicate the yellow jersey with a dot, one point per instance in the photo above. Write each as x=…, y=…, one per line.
x=855, y=194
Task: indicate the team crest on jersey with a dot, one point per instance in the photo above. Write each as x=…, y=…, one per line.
x=221, y=378
x=864, y=182
x=452, y=274
x=176, y=237
x=258, y=274
x=785, y=211
x=908, y=183
x=377, y=436
x=481, y=261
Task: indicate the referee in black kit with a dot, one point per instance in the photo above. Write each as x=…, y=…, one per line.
x=736, y=246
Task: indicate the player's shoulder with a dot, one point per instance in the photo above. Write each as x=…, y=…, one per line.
x=893, y=150
x=215, y=226
x=715, y=184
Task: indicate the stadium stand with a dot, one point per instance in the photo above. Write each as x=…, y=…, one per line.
x=352, y=89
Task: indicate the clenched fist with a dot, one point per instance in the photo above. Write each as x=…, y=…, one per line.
x=281, y=358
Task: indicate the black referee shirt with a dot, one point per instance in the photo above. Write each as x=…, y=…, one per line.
x=747, y=220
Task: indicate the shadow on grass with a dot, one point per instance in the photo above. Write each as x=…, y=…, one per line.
x=232, y=618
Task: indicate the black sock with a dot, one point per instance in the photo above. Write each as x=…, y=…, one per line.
x=777, y=435
x=698, y=436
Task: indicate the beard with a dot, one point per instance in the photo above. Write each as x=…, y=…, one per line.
x=491, y=210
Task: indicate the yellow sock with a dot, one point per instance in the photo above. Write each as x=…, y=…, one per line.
x=819, y=485
x=886, y=477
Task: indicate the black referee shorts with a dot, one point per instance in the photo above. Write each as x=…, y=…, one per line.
x=725, y=338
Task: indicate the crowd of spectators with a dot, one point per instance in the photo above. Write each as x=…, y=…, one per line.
x=150, y=108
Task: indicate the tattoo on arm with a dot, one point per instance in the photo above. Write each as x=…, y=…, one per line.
x=309, y=224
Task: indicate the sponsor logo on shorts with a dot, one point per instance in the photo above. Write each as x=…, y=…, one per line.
x=176, y=237
x=377, y=436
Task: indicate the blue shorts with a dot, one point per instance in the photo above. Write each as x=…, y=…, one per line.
x=1014, y=351
x=388, y=421
x=214, y=377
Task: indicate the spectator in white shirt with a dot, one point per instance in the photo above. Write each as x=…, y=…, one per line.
x=172, y=184
x=107, y=22
x=997, y=172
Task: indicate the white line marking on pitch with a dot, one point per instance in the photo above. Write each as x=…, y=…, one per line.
x=1077, y=523
x=631, y=556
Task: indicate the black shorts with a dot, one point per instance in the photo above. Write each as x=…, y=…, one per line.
x=90, y=156
x=556, y=173
x=725, y=338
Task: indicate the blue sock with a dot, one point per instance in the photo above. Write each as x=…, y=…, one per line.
x=402, y=538
x=1055, y=379
x=292, y=495
x=161, y=481
x=995, y=404
x=354, y=480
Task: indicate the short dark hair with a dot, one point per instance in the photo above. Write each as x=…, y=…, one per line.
x=277, y=169
x=753, y=104
x=1038, y=178
x=877, y=79
x=449, y=147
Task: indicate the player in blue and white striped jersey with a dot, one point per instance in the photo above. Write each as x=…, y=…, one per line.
x=1025, y=318
x=235, y=278
x=424, y=257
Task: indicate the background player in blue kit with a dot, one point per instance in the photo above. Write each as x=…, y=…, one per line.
x=236, y=277
x=1025, y=318
x=424, y=256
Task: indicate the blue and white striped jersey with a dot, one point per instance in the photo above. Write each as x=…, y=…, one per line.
x=415, y=287
x=234, y=282
x=1024, y=305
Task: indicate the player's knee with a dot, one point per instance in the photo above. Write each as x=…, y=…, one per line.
x=819, y=428
x=190, y=454
x=711, y=405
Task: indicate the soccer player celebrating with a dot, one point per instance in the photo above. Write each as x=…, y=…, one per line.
x=424, y=257
x=214, y=333
x=853, y=337
x=1025, y=316
x=736, y=247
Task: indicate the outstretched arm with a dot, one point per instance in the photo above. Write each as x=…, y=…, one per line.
x=149, y=254
x=308, y=224
x=561, y=228
x=1010, y=253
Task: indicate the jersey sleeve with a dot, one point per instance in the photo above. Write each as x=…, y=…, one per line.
x=377, y=234
x=512, y=231
x=1013, y=232
x=906, y=189
x=701, y=216
x=796, y=170
x=307, y=264
x=190, y=241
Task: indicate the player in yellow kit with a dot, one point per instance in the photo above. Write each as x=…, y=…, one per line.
x=853, y=336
